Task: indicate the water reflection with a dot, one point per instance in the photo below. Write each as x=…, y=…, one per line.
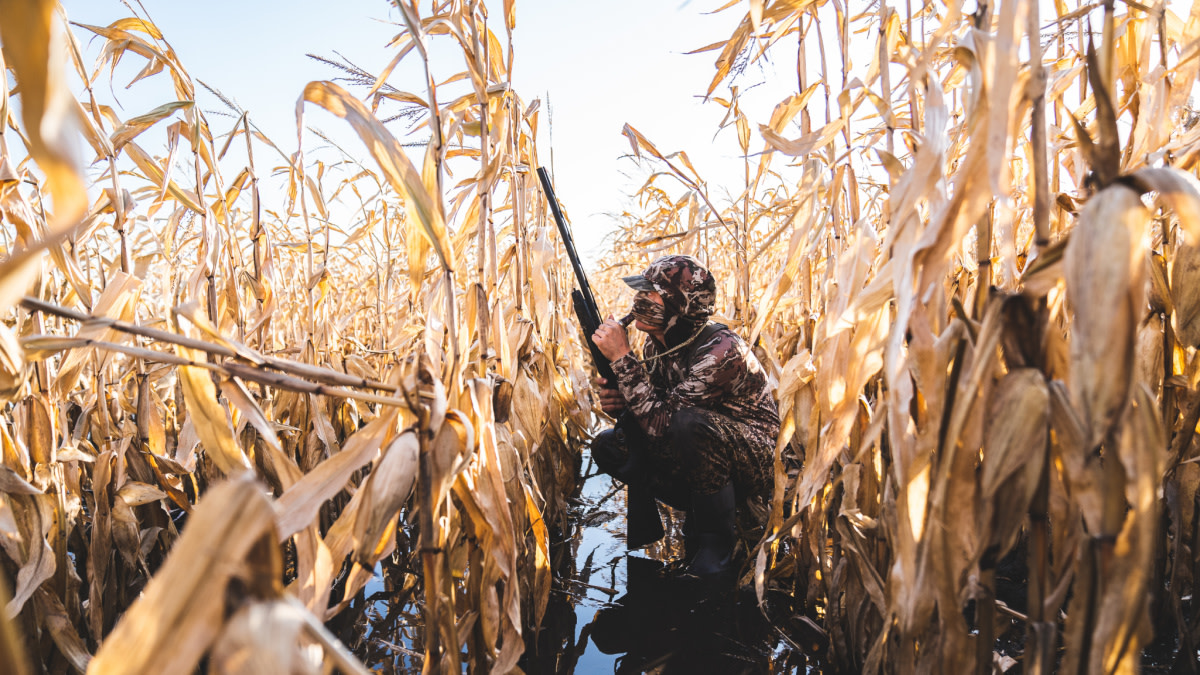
x=664, y=625
x=625, y=613
x=609, y=611
x=383, y=624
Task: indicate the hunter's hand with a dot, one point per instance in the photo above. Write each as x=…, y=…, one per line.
x=611, y=340
x=612, y=401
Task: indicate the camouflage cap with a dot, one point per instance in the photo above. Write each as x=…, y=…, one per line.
x=639, y=283
x=688, y=289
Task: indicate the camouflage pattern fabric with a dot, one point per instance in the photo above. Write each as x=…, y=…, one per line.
x=649, y=312
x=720, y=387
x=687, y=289
x=721, y=375
x=707, y=409
x=702, y=451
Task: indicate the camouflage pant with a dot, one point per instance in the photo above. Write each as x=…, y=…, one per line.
x=703, y=451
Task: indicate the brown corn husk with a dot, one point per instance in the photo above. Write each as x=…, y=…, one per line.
x=1185, y=294
x=1148, y=352
x=1104, y=271
x=1014, y=446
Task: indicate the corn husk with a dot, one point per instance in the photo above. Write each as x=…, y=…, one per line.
x=1104, y=270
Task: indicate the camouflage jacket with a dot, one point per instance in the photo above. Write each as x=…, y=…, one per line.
x=720, y=374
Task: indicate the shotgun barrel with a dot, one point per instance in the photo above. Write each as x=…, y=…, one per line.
x=582, y=298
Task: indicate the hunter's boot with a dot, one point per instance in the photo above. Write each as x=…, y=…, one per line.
x=611, y=455
x=713, y=534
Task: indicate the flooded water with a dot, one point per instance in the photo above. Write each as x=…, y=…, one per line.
x=621, y=613
x=611, y=611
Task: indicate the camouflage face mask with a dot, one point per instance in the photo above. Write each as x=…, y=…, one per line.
x=650, y=313
x=687, y=290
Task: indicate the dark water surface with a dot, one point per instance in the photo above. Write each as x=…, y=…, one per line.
x=622, y=612
x=611, y=611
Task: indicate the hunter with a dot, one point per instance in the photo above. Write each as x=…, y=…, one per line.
x=696, y=420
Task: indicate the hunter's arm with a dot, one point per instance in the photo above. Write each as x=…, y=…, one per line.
x=717, y=367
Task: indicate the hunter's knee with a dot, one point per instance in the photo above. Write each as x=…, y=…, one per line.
x=687, y=429
x=608, y=452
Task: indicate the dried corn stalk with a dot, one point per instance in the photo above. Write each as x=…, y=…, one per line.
x=223, y=415
x=1030, y=184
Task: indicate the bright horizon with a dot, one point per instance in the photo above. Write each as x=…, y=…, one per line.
x=564, y=54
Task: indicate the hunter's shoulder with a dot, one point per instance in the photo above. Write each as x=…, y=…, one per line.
x=720, y=340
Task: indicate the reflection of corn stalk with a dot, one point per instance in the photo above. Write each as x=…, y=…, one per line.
x=282, y=359
x=950, y=307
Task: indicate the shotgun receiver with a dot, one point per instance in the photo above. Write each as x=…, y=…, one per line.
x=642, y=518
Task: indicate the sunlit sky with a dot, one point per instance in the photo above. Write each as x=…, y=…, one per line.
x=599, y=66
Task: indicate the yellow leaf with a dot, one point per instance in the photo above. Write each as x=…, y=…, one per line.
x=396, y=167
x=33, y=47
x=298, y=506
x=756, y=14
x=209, y=418
x=743, y=132
x=134, y=126
x=804, y=145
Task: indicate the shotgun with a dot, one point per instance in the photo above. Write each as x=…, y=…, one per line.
x=644, y=524
x=586, y=309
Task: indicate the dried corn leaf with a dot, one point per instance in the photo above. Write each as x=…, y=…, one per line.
x=396, y=167
x=298, y=506
x=181, y=611
x=55, y=618
x=209, y=418
x=13, y=369
x=33, y=48
x=136, y=125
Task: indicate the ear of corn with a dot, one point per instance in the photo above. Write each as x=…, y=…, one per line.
x=1104, y=279
x=1014, y=444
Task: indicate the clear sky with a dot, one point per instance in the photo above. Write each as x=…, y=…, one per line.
x=601, y=64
